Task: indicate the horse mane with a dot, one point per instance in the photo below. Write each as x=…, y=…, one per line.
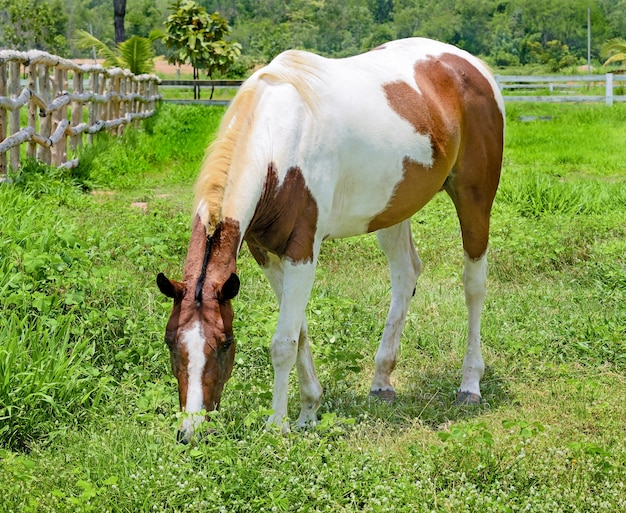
x=214, y=172
x=299, y=69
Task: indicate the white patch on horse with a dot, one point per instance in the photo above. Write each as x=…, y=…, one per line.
x=193, y=339
x=475, y=285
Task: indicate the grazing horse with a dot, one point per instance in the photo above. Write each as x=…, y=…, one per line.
x=314, y=148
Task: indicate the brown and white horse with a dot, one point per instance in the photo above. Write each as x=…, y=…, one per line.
x=314, y=148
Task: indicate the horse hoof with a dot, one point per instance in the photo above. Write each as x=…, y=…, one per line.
x=389, y=396
x=467, y=398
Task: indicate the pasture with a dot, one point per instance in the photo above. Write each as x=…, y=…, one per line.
x=88, y=406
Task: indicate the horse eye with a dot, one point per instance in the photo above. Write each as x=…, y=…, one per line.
x=227, y=343
x=170, y=340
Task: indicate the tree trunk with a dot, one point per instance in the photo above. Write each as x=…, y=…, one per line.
x=119, y=11
x=196, y=87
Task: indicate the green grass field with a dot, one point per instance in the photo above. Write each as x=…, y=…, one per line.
x=88, y=407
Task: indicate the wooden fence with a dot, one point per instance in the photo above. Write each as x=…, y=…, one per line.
x=574, y=88
x=56, y=110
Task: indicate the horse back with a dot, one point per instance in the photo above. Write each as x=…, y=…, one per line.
x=349, y=146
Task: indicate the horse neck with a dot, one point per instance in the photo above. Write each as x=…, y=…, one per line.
x=241, y=200
x=224, y=247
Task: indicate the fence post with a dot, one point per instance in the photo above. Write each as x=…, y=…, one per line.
x=3, y=121
x=31, y=149
x=135, y=103
x=102, y=107
x=114, y=101
x=609, y=89
x=123, y=101
x=93, y=106
x=45, y=124
x=77, y=110
x=14, y=117
x=58, y=150
x=141, y=89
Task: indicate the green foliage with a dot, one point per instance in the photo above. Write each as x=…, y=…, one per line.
x=536, y=195
x=49, y=373
x=49, y=377
x=136, y=53
x=199, y=38
x=66, y=310
x=550, y=36
x=499, y=31
x=33, y=24
x=615, y=50
x=556, y=55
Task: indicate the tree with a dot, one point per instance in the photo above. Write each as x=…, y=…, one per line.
x=382, y=10
x=136, y=53
x=33, y=24
x=119, y=12
x=199, y=38
x=615, y=50
x=143, y=16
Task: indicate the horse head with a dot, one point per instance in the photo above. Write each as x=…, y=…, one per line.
x=199, y=335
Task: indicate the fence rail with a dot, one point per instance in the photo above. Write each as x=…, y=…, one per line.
x=196, y=87
x=58, y=110
x=573, y=84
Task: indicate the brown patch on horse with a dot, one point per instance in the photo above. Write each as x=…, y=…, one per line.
x=259, y=254
x=433, y=111
x=223, y=260
x=195, y=252
x=224, y=248
x=476, y=174
x=285, y=219
x=220, y=355
x=448, y=108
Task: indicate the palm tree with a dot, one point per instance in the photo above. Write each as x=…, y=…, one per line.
x=615, y=49
x=136, y=53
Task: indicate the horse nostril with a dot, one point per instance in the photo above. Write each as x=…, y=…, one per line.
x=180, y=437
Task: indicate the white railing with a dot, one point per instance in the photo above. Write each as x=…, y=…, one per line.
x=573, y=85
x=56, y=110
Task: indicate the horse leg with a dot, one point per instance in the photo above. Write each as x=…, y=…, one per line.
x=310, y=388
x=404, y=268
x=292, y=283
x=475, y=285
x=472, y=189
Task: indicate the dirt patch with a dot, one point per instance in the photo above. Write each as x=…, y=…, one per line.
x=161, y=66
x=141, y=205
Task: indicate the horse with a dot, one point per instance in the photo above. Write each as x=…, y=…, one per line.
x=313, y=148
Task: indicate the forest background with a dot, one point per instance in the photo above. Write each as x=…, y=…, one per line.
x=535, y=34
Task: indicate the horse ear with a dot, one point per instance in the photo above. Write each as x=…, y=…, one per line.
x=170, y=288
x=230, y=288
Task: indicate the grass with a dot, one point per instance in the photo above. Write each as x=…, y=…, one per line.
x=186, y=93
x=88, y=407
